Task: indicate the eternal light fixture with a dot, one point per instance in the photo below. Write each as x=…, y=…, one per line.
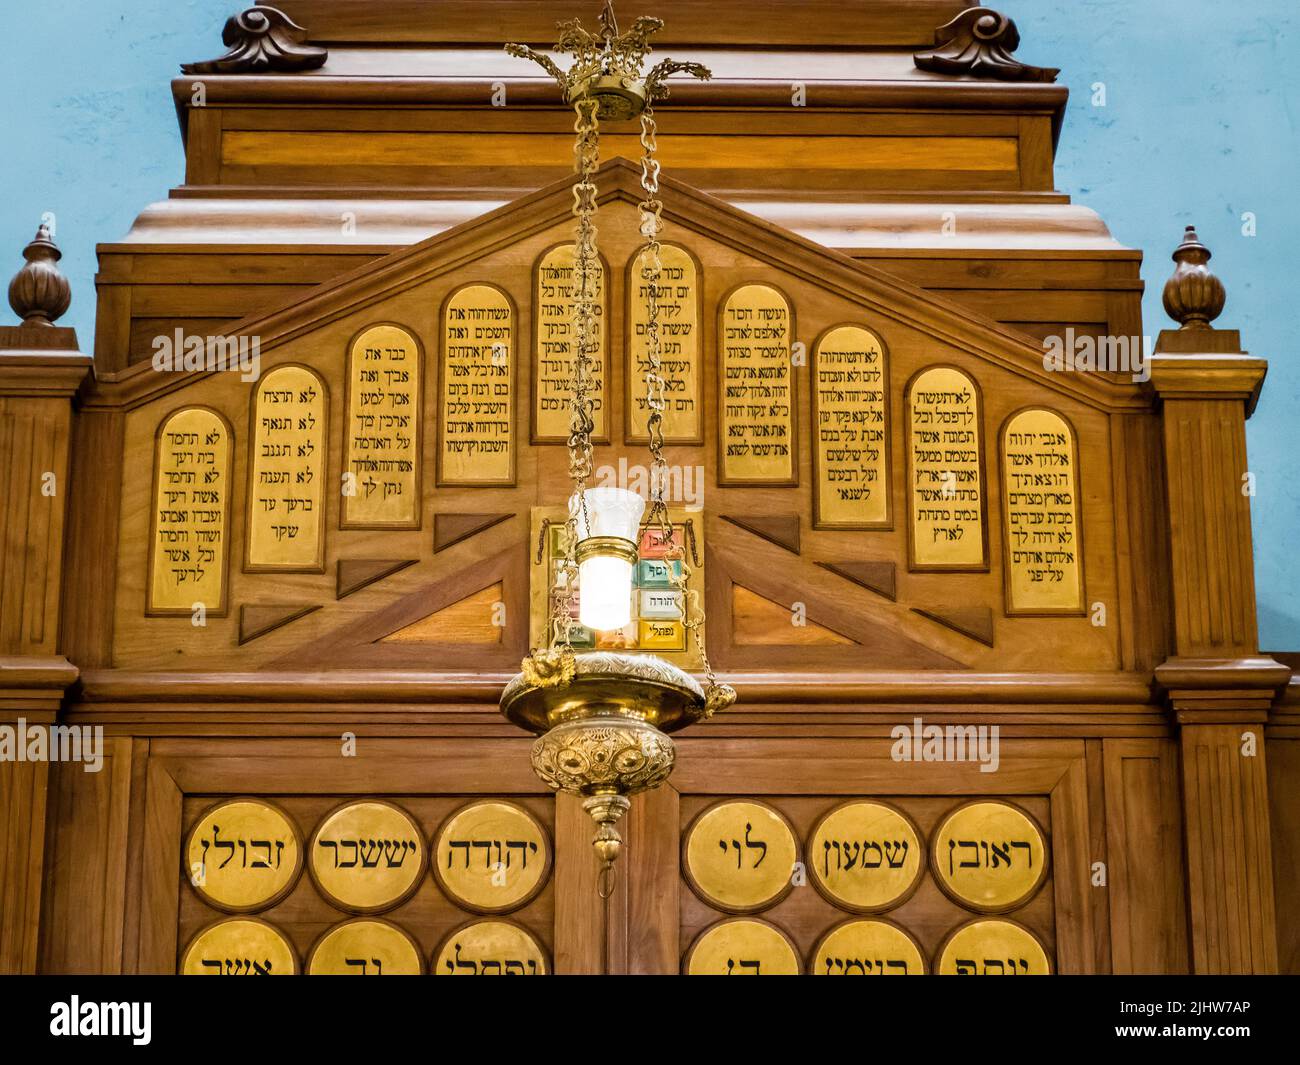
x=608, y=527
x=601, y=716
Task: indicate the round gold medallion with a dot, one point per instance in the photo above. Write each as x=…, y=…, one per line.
x=490, y=948
x=742, y=946
x=243, y=855
x=365, y=946
x=739, y=856
x=367, y=856
x=239, y=946
x=992, y=947
x=491, y=856
x=989, y=856
x=867, y=948
x=866, y=856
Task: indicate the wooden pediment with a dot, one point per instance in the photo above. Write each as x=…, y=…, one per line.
x=687, y=210
x=367, y=470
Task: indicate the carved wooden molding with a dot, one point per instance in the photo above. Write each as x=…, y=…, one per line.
x=451, y=529
x=257, y=620
x=353, y=574
x=262, y=39
x=973, y=621
x=779, y=529
x=878, y=577
x=979, y=43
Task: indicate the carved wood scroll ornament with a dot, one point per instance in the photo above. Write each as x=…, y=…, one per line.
x=262, y=40
x=979, y=42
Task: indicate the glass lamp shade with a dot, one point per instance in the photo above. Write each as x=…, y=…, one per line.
x=610, y=512
x=606, y=549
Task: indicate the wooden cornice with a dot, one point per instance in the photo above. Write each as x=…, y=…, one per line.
x=905, y=94
x=458, y=689
x=685, y=206
x=830, y=23
x=220, y=221
x=463, y=705
x=325, y=89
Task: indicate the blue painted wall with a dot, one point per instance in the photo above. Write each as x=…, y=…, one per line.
x=1198, y=127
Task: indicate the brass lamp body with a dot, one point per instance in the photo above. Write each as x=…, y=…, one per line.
x=602, y=734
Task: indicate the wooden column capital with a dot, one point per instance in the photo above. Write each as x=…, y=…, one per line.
x=1207, y=375
x=27, y=370
x=33, y=686
x=1221, y=690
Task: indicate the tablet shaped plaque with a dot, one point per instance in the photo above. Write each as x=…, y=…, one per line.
x=850, y=386
x=476, y=438
x=945, y=471
x=756, y=402
x=286, y=481
x=553, y=337
x=1043, y=531
x=191, y=517
x=679, y=345
x=381, y=430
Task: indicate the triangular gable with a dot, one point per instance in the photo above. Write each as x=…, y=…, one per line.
x=359, y=578
x=685, y=208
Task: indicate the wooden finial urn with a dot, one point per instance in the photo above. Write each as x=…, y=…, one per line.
x=39, y=293
x=1193, y=296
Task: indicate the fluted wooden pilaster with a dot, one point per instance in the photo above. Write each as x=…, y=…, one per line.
x=1220, y=688
x=1229, y=856
x=41, y=371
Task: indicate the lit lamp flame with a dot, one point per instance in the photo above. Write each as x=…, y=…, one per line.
x=608, y=521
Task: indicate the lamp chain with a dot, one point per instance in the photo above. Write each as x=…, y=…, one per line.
x=586, y=281
x=718, y=696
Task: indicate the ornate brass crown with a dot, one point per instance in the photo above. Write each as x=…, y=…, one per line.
x=608, y=66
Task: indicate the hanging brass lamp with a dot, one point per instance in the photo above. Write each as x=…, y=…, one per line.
x=602, y=717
